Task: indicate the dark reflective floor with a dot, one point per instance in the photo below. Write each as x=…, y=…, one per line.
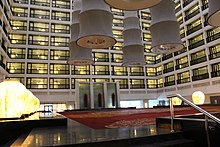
x=75, y=133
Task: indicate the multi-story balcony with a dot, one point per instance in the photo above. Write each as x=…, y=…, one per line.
x=196, y=44
x=194, y=13
x=214, y=55
x=200, y=77
x=170, y=83
x=198, y=60
x=213, y=37
x=215, y=74
x=194, y=29
x=180, y=66
x=184, y=80
x=168, y=70
x=186, y=2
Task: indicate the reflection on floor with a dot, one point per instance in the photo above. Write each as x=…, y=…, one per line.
x=76, y=133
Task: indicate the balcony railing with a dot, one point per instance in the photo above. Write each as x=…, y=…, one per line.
x=40, y=16
x=37, y=86
x=137, y=86
x=65, y=6
x=200, y=77
x=21, y=1
x=136, y=73
x=180, y=66
x=196, y=44
x=170, y=83
x=82, y=72
x=178, y=9
x=187, y=2
x=214, y=55
x=165, y=57
x=116, y=60
x=38, y=29
x=101, y=73
x=60, y=72
x=180, y=51
x=198, y=60
x=121, y=73
x=60, y=18
x=194, y=29
x=151, y=73
x=152, y=86
x=213, y=37
x=59, y=86
x=194, y=13
x=184, y=80
x=205, y=6
x=123, y=86
x=23, y=28
x=168, y=70
x=215, y=74
x=20, y=14
x=39, y=3
x=2, y=64
x=62, y=31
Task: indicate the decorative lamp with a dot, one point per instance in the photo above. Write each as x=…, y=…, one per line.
x=176, y=101
x=214, y=13
x=198, y=97
x=13, y=99
x=78, y=55
x=132, y=5
x=165, y=28
x=133, y=49
x=95, y=25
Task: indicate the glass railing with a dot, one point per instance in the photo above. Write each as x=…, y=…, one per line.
x=200, y=77
x=213, y=37
x=194, y=29
x=194, y=13
x=184, y=80
x=196, y=44
x=187, y=2
x=198, y=60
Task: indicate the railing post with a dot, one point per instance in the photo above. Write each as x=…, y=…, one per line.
x=172, y=116
x=207, y=131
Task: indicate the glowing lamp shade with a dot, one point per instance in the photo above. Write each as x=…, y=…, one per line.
x=15, y=100
x=95, y=25
x=165, y=28
x=132, y=4
x=198, y=98
x=214, y=13
x=176, y=101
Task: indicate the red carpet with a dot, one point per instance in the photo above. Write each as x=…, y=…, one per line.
x=120, y=118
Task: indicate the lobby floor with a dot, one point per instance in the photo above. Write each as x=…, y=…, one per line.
x=76, y=133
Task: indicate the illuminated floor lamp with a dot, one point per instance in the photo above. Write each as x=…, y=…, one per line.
x=165, y=28
x=78, y=55
x=132, y=4
x=95, y=25
x=214, y=13
x=133, y=49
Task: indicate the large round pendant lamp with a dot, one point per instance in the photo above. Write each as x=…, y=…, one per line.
x=95, y=25
x=78, y=55
x=214, y=13
x=165, y=28
x=132, y=5
x=133, y=49
x=198, y=97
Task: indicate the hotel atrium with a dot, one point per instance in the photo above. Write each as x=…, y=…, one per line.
x=34, y=49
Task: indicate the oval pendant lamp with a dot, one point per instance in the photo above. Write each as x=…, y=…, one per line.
x=214, y=13
x=131, y=5
x=165, y=28
x=95, y=25
x=133, y=49
x=78, y=55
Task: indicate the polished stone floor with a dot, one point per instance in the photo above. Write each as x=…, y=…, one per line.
x=76, y=133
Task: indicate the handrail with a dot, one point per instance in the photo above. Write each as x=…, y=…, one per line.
x=209, y=115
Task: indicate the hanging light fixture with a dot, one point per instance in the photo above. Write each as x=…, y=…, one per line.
x=132, y=4
x=78, y=55
x=165, y=28
x=133, y=49
x=95, y=25
x=214, y=13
